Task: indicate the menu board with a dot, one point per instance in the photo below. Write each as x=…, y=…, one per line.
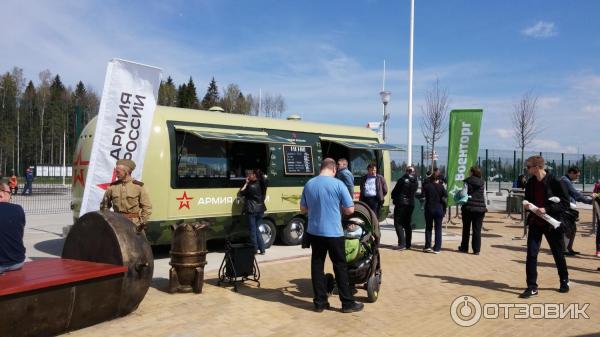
x=298, y=160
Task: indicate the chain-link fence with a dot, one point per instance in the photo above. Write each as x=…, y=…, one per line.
x=501, y=168
x=45, y=198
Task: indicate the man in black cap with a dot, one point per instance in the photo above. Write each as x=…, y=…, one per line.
x=128, y=196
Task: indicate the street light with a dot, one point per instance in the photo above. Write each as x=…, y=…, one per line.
x=385, y=99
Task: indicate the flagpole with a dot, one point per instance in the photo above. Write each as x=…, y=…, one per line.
x=410, y=82
x=64, y=170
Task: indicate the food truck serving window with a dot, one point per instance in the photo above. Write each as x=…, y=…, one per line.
x=200, y=158
x=212, y=159
x=359, y=160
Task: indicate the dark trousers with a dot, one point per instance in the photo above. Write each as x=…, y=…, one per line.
x=403, y=225
x=27, y=188
x=335, y=247
x=596, y=209
x=373, y=203
x=474, y=220
x=534, y=240
x=568, y=240
x=431, y=218
x=256, y=240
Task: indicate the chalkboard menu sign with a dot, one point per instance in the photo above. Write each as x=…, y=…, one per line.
x=298, y=160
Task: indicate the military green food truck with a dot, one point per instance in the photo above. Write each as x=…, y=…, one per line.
x=195, y=165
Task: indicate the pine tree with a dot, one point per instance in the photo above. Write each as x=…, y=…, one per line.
x=212, y=96
x=57, y=120
x=192, y=95
x=167, y=93
x=181, y=93
x=30, y=117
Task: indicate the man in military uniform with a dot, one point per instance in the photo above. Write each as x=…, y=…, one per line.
x=128, y=196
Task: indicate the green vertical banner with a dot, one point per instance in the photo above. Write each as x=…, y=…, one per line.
x=463, y=145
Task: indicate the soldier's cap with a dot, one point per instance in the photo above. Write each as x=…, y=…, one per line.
x=127, y=163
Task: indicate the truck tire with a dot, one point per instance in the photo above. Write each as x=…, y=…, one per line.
x=292, y=233
x=268, y=231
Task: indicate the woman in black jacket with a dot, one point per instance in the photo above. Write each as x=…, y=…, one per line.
x=435, y=206
x=473, y=211
x=254, y=191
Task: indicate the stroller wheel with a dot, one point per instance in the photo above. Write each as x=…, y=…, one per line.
x=373, y=288
x=330, y=283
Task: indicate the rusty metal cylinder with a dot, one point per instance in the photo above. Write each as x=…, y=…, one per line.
x=108, y=237
x=188, y=257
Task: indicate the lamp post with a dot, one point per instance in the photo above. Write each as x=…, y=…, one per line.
x=385, y=99
x=410, y=82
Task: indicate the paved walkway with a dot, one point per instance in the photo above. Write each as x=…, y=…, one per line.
x=417, y=291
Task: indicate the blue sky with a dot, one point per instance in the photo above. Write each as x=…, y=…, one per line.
x=326, y=57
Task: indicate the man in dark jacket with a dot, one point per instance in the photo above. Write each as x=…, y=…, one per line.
x=574, y=196
x=373, y=189
x=403, y=196
x=28, y=181
x=473, y=211
x=344, y=174
x=539, y=189
x=12, y=227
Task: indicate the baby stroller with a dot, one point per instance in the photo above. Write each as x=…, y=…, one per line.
x=361, y=230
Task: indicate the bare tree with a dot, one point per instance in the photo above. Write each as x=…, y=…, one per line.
x=434, y=120
x=253, y=105
x=525, y=122
x=269, y=105
x=280, y=106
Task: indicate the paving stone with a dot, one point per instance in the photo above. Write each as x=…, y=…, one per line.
x=415, y=299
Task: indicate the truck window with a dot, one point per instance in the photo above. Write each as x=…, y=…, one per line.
x=215, y=163
x=360, y=159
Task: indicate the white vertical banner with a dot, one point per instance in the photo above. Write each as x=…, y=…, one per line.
x=123, y=126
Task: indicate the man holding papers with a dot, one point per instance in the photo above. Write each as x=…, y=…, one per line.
x=539, y=189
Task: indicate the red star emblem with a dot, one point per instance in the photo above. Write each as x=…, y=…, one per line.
x=79, y=167
x=184, y=201
x=105, y=185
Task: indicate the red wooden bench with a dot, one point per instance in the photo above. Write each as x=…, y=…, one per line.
x=47, y=273
x=52, y=296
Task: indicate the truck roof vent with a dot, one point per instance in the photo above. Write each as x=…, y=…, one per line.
x=216, y=108
x=294, y=118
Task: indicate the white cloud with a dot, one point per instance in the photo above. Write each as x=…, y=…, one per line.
x=540, y=30
x=547, y=102
x=503, y=133
x=549, y=145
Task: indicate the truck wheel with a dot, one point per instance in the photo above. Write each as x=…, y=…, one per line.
x=292, y=233
x=267, y=230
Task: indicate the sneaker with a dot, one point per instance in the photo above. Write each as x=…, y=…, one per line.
x=475, y=253
x=460, y=249
x=570, y=253
x=322, y=308
x=528, y=293
x=427, y=250
x=401, y=247
x=355, y=307
x=436, y=251
x=564, y=287
x=598, y=253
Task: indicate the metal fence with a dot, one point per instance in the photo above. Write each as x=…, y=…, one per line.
x=501, y=168
x=44, y=199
